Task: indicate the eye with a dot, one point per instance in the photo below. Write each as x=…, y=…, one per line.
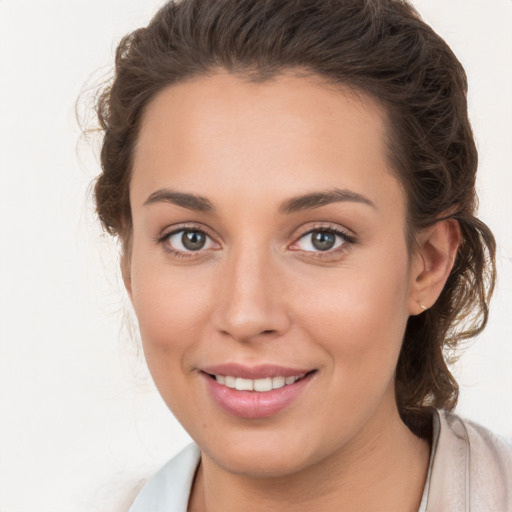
x=321, y=240
x=188, y=240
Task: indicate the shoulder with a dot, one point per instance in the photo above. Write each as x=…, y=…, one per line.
x=471, y=467
x=169, y=488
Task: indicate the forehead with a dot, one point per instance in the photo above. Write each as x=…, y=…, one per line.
x=289, y=134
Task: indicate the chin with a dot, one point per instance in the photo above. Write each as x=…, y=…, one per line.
x=263, y=455
x=274, y=464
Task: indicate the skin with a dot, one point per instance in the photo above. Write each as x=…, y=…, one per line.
x=259, y=292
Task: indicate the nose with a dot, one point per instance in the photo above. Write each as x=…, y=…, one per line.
x=251, y=300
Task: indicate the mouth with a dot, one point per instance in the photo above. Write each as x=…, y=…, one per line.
x=263, y=385
x=256, y=392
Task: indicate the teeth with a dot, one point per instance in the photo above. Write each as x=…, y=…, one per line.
x=260, y=385
x=263, y=384
x=244, y=384
x=230, y=381
x=278, y=382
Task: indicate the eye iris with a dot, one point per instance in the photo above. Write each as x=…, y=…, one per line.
x=193, y=240
x=323, y=240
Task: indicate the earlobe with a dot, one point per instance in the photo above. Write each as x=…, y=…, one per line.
x=432, y=264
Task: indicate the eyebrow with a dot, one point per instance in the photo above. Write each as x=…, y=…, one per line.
x=295, y=204
x=183, y=199
x=318, y=199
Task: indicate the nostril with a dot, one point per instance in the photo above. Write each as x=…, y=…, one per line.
x=268, y=331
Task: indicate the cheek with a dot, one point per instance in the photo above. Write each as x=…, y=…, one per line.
x=171, y=310
x=171, y=316
x=359, y=318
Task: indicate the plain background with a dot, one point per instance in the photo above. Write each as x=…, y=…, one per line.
x=81, y=425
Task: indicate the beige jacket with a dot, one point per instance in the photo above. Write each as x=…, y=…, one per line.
x=471, y=468
x=470, y=471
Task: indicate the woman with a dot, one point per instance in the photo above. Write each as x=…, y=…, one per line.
x=293, y=187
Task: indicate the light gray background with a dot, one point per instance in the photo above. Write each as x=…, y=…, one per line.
x=80, y=422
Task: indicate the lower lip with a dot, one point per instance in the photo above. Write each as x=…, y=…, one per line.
x=254, y=404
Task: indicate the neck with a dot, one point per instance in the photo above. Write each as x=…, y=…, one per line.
x=383, y=469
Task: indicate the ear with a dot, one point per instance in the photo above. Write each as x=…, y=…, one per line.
x=432, y=263
x=127, y=274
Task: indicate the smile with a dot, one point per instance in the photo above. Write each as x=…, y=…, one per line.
x=255, y=392
x=259, y=385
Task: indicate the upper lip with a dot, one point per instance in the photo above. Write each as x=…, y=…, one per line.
x=260, y=371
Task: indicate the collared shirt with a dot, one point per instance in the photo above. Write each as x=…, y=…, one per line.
x=470, y=470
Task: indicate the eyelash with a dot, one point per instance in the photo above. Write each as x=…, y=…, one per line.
x=347, y=241
x=182, y=229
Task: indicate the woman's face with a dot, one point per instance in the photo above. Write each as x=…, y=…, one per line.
x=269, y=252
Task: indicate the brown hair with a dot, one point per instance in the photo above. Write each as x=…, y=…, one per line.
x=379, y=47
